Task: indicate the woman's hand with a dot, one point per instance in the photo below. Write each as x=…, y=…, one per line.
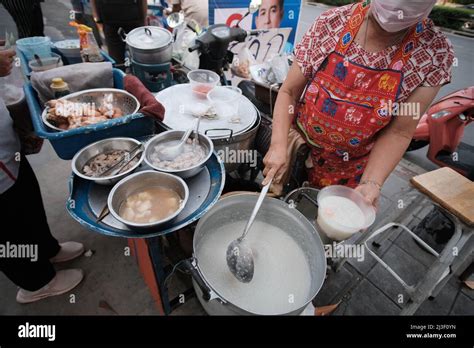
x=371, y=192
x=6, y=62
x=276, y=162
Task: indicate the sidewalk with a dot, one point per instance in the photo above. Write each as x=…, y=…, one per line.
x=367, y=288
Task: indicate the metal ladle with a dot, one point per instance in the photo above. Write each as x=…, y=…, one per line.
x=170, y=153
x=38, y=60
x=239, y=255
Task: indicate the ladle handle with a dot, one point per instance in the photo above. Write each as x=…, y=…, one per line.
x=196, y=132
x=260, y=199
x=186, y=135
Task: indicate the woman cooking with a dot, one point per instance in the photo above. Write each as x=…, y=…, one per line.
x=360, y=66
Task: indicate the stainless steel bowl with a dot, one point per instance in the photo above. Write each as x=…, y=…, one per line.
x=143, y=180
x=127, y=102
x=204, y=141
x=104, y=146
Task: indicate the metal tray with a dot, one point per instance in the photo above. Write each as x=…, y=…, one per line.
x=174, y=97
x=87, y=199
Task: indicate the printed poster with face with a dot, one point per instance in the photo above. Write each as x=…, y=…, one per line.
x=276, y=20
x=272, y=14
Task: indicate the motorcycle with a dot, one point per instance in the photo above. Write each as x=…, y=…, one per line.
x=442, y=128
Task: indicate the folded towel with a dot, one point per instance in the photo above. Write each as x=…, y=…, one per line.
x=79, y=77
x=149, y=106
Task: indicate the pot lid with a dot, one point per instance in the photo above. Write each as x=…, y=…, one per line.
x=149, y=38
x=179, y=113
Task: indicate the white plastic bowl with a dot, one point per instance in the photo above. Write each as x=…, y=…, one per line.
x=69, y=48
x=202, y=82
x=341, y=230
x=226, y=100
x=47, y=63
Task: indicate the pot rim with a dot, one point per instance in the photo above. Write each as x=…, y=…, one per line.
x=148, y=150
x=154, y=224
x=166, y=43
x=105, y=179
x=237, y=138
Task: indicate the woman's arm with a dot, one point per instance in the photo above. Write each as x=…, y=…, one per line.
x=276, y=158
x=392, y=143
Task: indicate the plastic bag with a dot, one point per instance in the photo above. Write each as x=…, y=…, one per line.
x=184, y=39
x=14, y=98
x=242, y=62
x=280, y=68
x=12, y=93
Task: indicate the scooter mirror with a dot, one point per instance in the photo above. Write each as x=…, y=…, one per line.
x=175, y=19
x=254, y=6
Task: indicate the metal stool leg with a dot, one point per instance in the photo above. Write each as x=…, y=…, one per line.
x=409, y=288
x=438, y=273
x=457, y=250
x=394, y=215
x=465, y=257
x=416, y=205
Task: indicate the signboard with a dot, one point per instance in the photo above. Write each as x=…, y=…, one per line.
x=265, y=44
x=273, y=14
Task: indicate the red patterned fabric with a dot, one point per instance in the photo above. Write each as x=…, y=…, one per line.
x=344, y=105
x=429, y=65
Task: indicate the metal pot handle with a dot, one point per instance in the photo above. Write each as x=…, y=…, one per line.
x=148, y=32
x=231, y=132
x=122, y=34
x=302, y=195
x=190, y=265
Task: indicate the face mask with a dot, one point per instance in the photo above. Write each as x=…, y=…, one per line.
x=396, y=15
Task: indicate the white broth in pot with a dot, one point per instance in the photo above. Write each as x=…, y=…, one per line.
x=150, y=205
x=282, y=278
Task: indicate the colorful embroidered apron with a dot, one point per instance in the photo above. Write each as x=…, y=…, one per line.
x=344, y=106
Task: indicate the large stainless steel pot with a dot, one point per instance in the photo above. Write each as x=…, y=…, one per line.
x=232, y=143
x=149, y=45
x=274, y=212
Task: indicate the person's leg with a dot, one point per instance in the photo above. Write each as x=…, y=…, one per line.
x=37, y=20
x=90, y=22
x=115, y=45
x=23, y=206
x=27, y=16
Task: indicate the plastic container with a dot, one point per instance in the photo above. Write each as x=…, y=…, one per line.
x=59, y=87
x=26, y=70
x=226, y=100
x=29, y=46
x=68, y=143
x=90, y=51
x=71, y=49
x=48, y=63
x=342, y=211
x=202, y=81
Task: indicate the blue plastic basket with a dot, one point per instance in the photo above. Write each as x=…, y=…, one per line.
x=68, y=143
x=29, y=46
x=25, y=68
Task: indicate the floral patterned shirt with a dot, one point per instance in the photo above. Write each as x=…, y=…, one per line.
x=430, y=63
